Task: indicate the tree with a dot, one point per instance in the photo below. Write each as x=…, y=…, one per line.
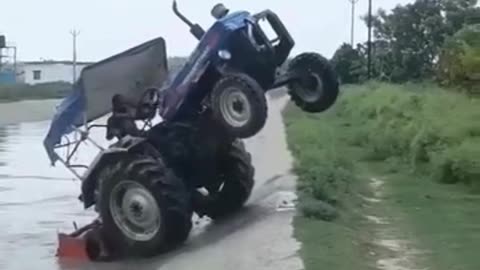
x=459, y=62
x=414, y=34
x=458, y=13
x=348, y=63
x=408, y=40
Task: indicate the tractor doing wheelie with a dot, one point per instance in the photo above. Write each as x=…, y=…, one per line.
x=148, y=183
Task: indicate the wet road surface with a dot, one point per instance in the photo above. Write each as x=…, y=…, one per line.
x=26, y=111
x=36, y=200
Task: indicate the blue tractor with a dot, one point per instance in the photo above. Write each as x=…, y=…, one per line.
x=236, y=63
x=148, y=183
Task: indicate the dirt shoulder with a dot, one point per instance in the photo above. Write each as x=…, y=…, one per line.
x=27, y=111
x=437, y=224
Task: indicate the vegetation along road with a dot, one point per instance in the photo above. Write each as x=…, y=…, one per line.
x=388, y=180
x=390, y=177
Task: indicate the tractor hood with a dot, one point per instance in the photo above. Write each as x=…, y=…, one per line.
x=128, y=73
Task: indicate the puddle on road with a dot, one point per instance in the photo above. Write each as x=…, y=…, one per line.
x=36, y=199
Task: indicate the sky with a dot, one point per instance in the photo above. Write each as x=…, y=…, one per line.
x=40, y=29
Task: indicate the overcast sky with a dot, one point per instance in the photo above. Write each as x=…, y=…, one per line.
x=40, y=28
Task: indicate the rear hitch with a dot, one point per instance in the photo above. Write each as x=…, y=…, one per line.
x=84, y=244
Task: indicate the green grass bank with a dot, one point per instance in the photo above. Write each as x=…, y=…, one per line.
x=424, y=141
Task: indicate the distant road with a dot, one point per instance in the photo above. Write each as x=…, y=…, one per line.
x=27, y=111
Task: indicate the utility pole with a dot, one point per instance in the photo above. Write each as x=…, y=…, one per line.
x=352, y=30
x=14, y=60
x=74, y=34
x=3, y=45
x=369, y=39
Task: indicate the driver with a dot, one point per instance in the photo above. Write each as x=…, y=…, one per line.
x=122, y=121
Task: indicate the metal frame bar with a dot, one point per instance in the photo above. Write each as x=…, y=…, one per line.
x=84, y=136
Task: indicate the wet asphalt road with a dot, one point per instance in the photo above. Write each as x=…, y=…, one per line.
x=27, y=110
x=37, y=200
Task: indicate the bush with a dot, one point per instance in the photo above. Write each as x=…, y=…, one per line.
x=325, y=172
x=51, y=90
x=317, y=209
x=426, y=127
x=459, y=164
x=348, y=64
x=459, y=62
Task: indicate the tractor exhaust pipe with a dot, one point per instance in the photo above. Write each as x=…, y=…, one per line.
x=196, y=30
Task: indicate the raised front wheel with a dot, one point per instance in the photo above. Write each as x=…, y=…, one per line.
x=239, y=104
x=317, y=87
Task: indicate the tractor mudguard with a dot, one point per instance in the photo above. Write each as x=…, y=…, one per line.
x=124, y=147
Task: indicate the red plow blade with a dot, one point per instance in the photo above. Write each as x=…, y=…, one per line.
x=84, y=244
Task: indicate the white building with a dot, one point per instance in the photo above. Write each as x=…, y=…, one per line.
x=35, y=72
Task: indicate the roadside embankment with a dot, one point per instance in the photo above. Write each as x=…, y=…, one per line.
x=373, y=174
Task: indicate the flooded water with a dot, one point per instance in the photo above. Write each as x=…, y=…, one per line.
x=37, y=200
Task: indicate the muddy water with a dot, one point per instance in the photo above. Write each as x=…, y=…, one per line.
x=36, y=200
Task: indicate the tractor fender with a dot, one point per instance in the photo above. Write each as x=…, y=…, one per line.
x=116, y=152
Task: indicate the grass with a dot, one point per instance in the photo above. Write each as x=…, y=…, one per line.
x=330, y=228
x=327, y=245
x=443, y=219
x=53, y=90
x=421, y=125
x=417, y=136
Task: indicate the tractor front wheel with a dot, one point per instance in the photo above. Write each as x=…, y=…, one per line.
x=239, y=104
x=317, y=87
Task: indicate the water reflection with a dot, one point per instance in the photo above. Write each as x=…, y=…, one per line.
x=3, y=135
x=35, y=200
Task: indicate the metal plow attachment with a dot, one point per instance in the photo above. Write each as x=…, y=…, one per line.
x=84, y=244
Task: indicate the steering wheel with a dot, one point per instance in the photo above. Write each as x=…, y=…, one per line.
x=257, y=36
x=148, y=104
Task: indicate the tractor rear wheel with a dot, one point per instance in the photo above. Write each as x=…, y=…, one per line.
x=144, y=207
x=317, y=88
x=237, y=177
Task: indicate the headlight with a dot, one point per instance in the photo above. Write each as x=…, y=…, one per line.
x=224, y=54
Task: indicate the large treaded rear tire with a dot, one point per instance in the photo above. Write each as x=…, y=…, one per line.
x=315, y=101
x=170, y=195
x=239, y=123
x=238, y=181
